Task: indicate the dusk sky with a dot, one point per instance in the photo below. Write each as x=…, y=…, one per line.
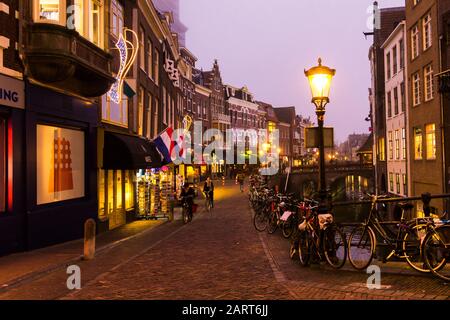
x=266, y=45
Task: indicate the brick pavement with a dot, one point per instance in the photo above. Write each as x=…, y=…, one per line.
x=219, y=256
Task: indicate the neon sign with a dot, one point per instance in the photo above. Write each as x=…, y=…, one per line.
x=126, y=61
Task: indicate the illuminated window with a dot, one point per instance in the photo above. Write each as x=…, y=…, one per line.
x=397, y=182
x=129, y=190
x=418, y=154
x=2, y=165
x=427, y=35
x=60, y=164
x=116, y=18
x=381, y=149
x=95, y=22
x=428, y=75
x=415, y=42
x=50, y=11
x=430, y=132
x=405, y=185
x=140, y=119
x=101, y=194
x=115, y=113
x=389, y=103
x=416, y=88
x=118, y=182
x=155, y=118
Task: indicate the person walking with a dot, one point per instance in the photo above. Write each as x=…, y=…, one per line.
x=208, y=190
x=240, y=179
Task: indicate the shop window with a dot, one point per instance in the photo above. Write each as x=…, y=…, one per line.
x=49, y=11
x=60, y=164
x=2, y=165
x=110, y=182
x=115, y=113
x=101, y=194
x=129, y=190
x=118, y=183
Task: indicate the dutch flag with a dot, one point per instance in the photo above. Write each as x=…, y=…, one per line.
x=166, y=142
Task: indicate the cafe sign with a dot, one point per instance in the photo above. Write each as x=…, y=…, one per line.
x=12, y=92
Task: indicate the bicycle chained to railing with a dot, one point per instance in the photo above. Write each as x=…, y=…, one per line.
x=423, y=242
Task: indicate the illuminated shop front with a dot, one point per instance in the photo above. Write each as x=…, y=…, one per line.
x=154, y=191
x=125, y=178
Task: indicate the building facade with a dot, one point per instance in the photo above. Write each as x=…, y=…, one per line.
x=397, y=131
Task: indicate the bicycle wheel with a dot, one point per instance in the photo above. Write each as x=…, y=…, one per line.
x=272, y=223
x=208, y=204
x=288, y=227
x=361, y=246
x=304, y=248
x=412, y=249
x=260, y=220
x=436, y=247
x=335, y=247
x=185, y=214
x=293, y=249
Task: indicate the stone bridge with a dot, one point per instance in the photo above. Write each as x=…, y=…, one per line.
x=304, y=180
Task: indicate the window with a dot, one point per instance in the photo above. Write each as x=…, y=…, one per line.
x=155, y=118
x=403, y=143
x=396, y=100
x=389, y=104
x=416, y=88
x=141, y=49
x=148, y=116
x=95, y=28
x=394, y=60
x=150, y=58
x=397, y=182
x=87, y=16
x=415, y=2
x=391, y=145
x=388, y=65
x=403, y=97
x=405, y=185
x=430, y=132
x=140, y=124
x=60, y=161
x=415, y=42
x=402, y=54
x=115, y=113
x=116, y=18
x=429, y=88
x=129, y=190
x=427, y=35
x=418, y=155
x=381, y=149
x=164, y=106
x=156, y=67
x=101, y=195
x=397, y=145
x=391, y=182
x=3, y=146
x=50, y=11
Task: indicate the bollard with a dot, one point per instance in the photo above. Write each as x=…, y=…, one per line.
x=89, y=239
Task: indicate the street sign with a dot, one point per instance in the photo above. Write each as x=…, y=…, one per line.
x=312, y=137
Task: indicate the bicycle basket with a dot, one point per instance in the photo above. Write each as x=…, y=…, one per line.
x=325, y=219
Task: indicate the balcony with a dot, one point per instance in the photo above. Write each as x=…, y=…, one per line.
x=60, y=57
x=222, y=118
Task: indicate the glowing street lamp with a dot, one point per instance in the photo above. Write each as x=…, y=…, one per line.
x=319, y=78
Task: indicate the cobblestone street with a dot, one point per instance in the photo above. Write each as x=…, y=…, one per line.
x=218, y=256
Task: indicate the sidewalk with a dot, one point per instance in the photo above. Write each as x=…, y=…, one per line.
x=22, y=266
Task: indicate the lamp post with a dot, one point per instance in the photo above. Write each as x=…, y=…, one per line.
x=319, y=78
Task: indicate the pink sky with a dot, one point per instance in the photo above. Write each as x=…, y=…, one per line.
x=266, y=45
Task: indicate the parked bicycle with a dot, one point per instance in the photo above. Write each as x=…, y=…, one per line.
x=403, y=241
x=436, y=248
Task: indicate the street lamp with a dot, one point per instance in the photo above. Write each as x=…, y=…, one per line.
x=319, y=78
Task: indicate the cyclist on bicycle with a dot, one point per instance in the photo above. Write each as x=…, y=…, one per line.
x=208, y=190
x=187, y=197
